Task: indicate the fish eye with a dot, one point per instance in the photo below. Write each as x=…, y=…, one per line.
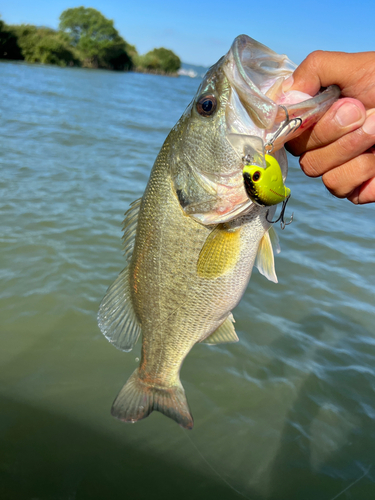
x=256, y=176
x=206, y=105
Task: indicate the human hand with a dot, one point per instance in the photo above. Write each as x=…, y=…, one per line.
x=340, y=146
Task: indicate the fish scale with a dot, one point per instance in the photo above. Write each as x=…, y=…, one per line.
x=178, y=292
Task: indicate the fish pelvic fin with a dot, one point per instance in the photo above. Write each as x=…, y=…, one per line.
x=265, y=261
x=116, y=317
x=137, y=400
x=274, y=240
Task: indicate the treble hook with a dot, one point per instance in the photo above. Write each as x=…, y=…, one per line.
x=281, y=216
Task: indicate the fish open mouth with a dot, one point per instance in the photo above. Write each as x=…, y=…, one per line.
x=257, y=104
x=254, y=71
x=258, y=108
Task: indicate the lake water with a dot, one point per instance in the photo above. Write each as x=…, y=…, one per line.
x=288, y=413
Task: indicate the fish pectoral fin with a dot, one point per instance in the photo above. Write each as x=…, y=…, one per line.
x=116, y=316
x=265, y=261
x=137, y=400
x=224, y=334
x=219, y=253
x=129, y=227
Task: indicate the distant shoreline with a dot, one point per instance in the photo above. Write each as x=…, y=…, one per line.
x=153, y=72
x=189, y=73
x=85, y=38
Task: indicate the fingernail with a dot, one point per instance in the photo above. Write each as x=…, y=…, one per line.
x=288, y=83
x=347, y=114
x=369, y=126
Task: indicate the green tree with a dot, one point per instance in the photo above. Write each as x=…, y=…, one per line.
x=96, y=39
x=44, y=45
x=9, y=48
x=160, y=60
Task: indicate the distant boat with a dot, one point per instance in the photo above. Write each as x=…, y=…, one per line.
x=187, y=72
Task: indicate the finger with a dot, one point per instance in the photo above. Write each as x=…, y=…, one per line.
x=324, y=68
x=343, y=117
x=353, y=73
x=364, y=193
x=343, y=181
x=319, y=161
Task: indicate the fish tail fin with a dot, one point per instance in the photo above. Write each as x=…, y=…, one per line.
x=137, y=400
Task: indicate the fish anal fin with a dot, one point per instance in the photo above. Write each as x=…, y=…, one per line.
x=219, y=253
x=116, y=317
x=137, y=400
x=265, y=261
x=224, y=334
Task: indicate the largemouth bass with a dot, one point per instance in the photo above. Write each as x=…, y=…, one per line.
x=192, y=240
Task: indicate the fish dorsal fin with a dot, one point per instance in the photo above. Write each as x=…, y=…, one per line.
x=224, y=334
x=116, y=317
x=129, y=227
x=265, y=261
x=220, y=252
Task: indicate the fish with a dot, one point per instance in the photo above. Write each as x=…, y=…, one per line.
x=192, y=239
x=265, y=186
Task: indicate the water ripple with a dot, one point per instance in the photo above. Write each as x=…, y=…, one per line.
x=291, y=403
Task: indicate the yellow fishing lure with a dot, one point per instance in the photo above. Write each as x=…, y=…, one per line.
x=265, y=186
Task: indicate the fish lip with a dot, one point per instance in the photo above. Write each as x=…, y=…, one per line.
x=254, y=59
x=251, y=69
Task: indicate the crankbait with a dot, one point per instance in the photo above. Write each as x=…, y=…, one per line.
x=263, y=178
x=265, y=186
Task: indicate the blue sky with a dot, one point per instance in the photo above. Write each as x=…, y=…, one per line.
x=200, y=33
